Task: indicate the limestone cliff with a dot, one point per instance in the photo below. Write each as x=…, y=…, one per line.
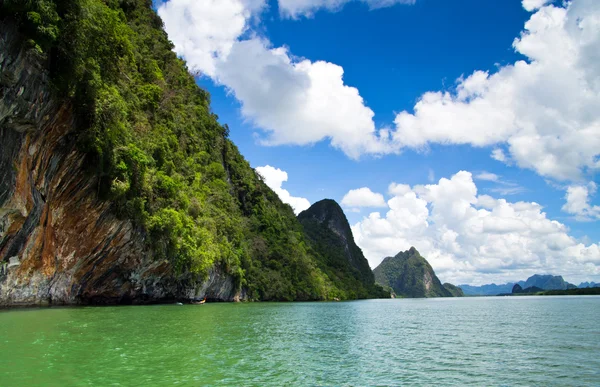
x=454, y=290
x=329, y=232
x=66, y=245
x=117, y=182
x=410, y=275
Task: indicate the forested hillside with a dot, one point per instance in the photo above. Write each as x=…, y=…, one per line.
x=409, y=275
x=336, y=252
x=152, y=148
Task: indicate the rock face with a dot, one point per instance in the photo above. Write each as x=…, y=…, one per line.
x=410, y=275
x=340, y=258
x=517, y=289
x=454, y=290
x=59, y=244
x=547, y=282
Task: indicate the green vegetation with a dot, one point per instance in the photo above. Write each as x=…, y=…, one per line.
x=454, y=290
x=571, y=292
x=159, y=153
x=337, y=254
x=517, y=289
x=547, y=282
x=535, y=291
x=409, y=275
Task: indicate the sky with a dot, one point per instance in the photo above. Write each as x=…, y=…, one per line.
x=469, y=129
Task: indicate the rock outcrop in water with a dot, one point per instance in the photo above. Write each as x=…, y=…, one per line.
x=59, y=243
x=340, y=258
x=517, y=289
x=547, y=282
x=408, y=274
x=117, y=182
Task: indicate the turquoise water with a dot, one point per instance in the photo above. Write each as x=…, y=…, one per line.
x=496, y=341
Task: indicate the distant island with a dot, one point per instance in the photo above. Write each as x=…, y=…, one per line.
x=589, y=285
x=535, y=291
x=409, y=275
x=537, y=284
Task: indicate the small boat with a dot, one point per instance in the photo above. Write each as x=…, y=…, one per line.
x=199, y=302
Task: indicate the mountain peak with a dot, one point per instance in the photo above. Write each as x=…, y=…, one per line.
x=547, y=282
x=327, y=227
x=410, y=275
x=324, y=209
x=329, y=212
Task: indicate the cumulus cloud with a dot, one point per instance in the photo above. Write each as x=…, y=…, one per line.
x=532, y=5
x=363, y=197
x=539, y=113
x=473, y=238
x=544, y=109
x=298, y=101
x=498, y=154
x=274, y=178
x=204, y=31
x=296, y=8
x=292, y=100
x=578, y=202
x=396, y=189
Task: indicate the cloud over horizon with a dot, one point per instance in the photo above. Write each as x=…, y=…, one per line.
x=472, y=238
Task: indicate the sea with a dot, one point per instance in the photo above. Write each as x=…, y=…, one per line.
x=473, y=341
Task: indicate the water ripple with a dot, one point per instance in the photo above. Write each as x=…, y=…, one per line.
x=525, y=341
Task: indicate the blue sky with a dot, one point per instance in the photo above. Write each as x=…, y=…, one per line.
x=364, y=129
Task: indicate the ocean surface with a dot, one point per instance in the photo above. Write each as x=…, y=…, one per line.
x=492, y=341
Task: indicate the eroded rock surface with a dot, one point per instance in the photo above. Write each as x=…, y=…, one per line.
x=59, y=243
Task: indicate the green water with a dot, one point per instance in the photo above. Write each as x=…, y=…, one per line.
x=536, y=341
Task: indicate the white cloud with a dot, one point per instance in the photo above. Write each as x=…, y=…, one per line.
x=502, y=187
x=431, y=175
x=398, y=189
x=293, y=100
x=539, y=114
x=298, y=101
x=544, y=109
x=532, y=5
x=498, y=154
x=274, y=178
x=487, y=176
x=363, y=197
x=204, y=31
x=473, y=238
x=505, y=189
x=297, y=8
x=578, y=202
